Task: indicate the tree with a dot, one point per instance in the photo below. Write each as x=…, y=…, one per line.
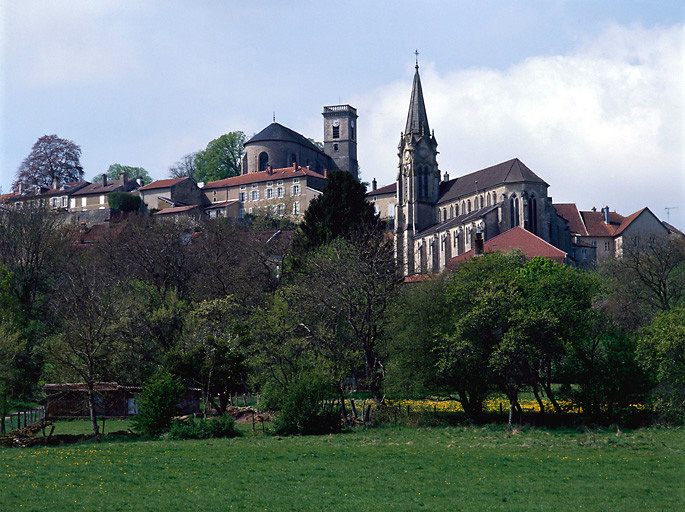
x=87, y=341
x=341, y=296
x=661, y=352
x=342, y=210
x=124, y=201
x=221, y=158
x=158, y=404
x=651, y=275
x=185, y=167
x=51, y=160
x=132, y=173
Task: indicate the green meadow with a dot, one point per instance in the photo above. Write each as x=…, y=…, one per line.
x=386, y=468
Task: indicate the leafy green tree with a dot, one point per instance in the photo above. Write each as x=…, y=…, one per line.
x=210, y=354
x=418, y=315
x=158, y=404
x=221, y=158
x=341, y=210
x=661, y=352
x=124, y=201
x=480, y=295
x=132, y=173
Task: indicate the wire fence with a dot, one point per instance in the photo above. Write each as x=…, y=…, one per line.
x=22, y=419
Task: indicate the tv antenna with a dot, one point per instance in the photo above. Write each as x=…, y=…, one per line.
x=668, y=212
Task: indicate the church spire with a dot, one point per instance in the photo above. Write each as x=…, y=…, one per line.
x=417, y=120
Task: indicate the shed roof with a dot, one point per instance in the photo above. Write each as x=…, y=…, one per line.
x=163, y=183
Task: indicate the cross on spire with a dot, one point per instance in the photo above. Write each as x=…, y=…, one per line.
x=416, y=53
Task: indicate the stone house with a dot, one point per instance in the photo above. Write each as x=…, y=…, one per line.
x=94, y=196
x=161, y=194
x=281, y=192
x=384, y=200
x=597, y=235
x=55, y=197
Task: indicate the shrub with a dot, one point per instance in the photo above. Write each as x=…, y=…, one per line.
x=220, y=427
x=300, y=408
x=123, y=201
x=158, y=404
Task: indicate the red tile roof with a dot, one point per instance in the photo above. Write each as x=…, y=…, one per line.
x=594, y=222
x=419, y=278
x=388, y=189
x=516, y=238
x=254, y=177
x=162, y=183
x=570, y=213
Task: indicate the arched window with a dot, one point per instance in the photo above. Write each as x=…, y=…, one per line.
x=468, y=205
x=292, y=159
x=451, y=211
x=481, y=201
x=439, y=215
x=263, y=161
x=444, y=214
x=494, y=198
x=463, y=207
x=456, y=209
x=487, y=200
x=533, y=214
x=512, y=219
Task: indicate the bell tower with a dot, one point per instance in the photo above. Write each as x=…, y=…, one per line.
x=340, y=137
x=418, y=179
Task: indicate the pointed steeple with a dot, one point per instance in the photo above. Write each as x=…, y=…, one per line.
x=417, y=120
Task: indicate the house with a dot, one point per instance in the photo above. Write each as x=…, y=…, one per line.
x=287, y=191
x=223, y=209
x=111, y=399
x=55, y=197
x=597, y=235
x=94, y=195
x=192, y=212
x=162, y=194
x=384, y=200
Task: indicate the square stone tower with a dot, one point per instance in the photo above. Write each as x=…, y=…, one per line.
x=340, y=137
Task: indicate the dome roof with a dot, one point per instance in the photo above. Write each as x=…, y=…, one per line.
x=278, y=132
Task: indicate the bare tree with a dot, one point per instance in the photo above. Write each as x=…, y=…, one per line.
x=51, y=159
x=184, y=167
x=88, y=309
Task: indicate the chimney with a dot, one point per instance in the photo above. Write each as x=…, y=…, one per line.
x=20, y=188
x=123, y=178
x=478, y=244
x=594, y=208
x=446, y=177
x=374, y=184
x=605, y=211
x=104, y=179
x=54, y=184
x=269, y=169
x=325, y=173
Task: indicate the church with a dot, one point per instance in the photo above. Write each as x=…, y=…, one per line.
x=438, y=218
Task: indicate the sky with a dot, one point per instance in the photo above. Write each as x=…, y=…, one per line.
x=590, y=95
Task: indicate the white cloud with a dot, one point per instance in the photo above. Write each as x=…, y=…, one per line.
x=602, y=125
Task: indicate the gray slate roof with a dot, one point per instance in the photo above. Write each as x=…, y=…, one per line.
x=459, y=219
x=511, y=171
x=417, y=120
x=282, y=133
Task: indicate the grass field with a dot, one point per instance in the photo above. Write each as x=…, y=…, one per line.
x=398, y=469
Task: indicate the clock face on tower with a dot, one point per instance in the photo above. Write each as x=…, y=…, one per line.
x=336, y=123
